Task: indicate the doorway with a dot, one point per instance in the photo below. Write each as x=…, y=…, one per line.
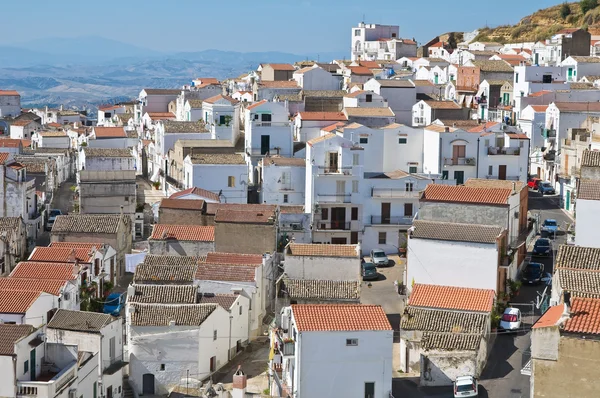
x=338, y=218
x=502, y=172
x=385, y=213
x=332, y=166
x=265, y=144
x=148, y=383
x=32, y=366
x=459, y=176
x=339, y=241
x=109, y=392
x=568, y=201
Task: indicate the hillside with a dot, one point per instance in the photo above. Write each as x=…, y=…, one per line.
x=542, y=24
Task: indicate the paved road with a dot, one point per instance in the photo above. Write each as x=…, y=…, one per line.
x=63, y=197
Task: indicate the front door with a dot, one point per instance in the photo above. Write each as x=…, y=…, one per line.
x=109, y=392
x=338, y=217
x=459, y=176
x=369, y=390
x=568, y=202
x=339, y=241
x=333, y=162
x=385, y=213
x=569, y=73
x=32, y=364
x=354, y=237
x=502, y=172
x=265, y=143
x=408, y=210
x=148, y=383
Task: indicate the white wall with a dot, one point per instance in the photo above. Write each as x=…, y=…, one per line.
x=214, y=177
x=586, y=226
x=462, y=264
x=317, y=79
x=330, y=268
x=275, y=185
x=400, y=100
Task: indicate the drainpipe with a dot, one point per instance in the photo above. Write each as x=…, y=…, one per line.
x=477, y=165
x=229, y=346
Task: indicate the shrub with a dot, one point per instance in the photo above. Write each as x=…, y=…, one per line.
x=565, y=10
x=587, y=5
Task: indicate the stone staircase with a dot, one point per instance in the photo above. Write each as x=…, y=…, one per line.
x=127, y=390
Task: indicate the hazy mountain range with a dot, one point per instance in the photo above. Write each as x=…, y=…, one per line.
x=87, y=71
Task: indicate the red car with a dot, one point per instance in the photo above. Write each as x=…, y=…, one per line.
x=534, y=183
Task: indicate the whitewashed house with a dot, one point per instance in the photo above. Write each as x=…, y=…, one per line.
x=192, y=110
x=587, y=215
x=23, y=129
x=323, y=348
x=580, y=66
x=107, y=112
x=305, y=261
x=26, y=307
x=307, y=125
x=10, y=103
x=401, y=95
x=154, y=100
x=534, y=79
x=282, y=180
x=222, y=116
x=51, y=139
x=317, y=78
x=105, y=159
x=364, y=99
x=223, y=173
x=425, y=112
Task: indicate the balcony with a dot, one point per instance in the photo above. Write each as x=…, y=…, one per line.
x=507, y=178
x=339, y=170
x=390, y=193
x=49, y=383
x=333, y=226
x=262, y=152
x=495, y=150
x=334, y=198
x=419, y=121
x=459, y=161
x=378, y=220
x=549, y=133
x=270, y=124
x=173, y=182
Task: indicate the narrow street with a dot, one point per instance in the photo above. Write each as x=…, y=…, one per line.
x=62, y=200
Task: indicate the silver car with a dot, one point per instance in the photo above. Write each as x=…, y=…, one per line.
x=379, y=258
x=465, y=386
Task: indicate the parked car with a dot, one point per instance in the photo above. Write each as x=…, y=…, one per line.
x=113, y=304
x=534, y=183
x=550, y=226
x=369, y=272
x=378, y=257
x=545, y=188
x=533, y=273
x=52, y=217
x=511, y=320
x=542, y=247
x=465, y=386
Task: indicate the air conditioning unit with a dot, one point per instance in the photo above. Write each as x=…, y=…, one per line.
x=296, y=227
x=470, y=161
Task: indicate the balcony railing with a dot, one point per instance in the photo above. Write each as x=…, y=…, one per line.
x=494, y=150
x=345, y=170
x=270, y=124
x=333, y=225
x=261, y=152
x=507, y=178
x=378, y=220
x=172, y=181
x=334, y=198
x=47, y=389
x=460, y=161
x=394, y=193
x=289, y=348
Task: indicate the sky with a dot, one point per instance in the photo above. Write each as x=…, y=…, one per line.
x=296, y=26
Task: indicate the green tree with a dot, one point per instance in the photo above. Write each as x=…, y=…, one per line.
x=587, y=5
x=565, y=10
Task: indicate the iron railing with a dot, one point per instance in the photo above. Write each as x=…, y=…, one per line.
x=333, y=225
x=460, y=161
x=379, y=220
x=334, y=198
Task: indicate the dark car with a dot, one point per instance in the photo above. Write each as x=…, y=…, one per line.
x=545, y=188
x=533, y=273
x=542, y=247
x=369, y=272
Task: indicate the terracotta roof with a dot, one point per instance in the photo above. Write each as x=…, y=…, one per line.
x=17, y=301
x=4, y=157
x=21, y=123
x=10, y=223
x=87, y=223
x=9, y=143
x=212, y=208
x=280, y=84
x=369, y=64
x=183, y=232
x=503, y=184
x=166, y=274
x=324, y=137
x=539, y=108
x=450, y=297
x=217, y=158
x=165, y=314
x=434, y=320
x=173, y=126
x=198, y=192
x=52, y=133
x=590, y=159
x=550, y=317
x=227, y=273
x=283, y=161
x=220, y=97
x=155, y=259
x=304, y=70
x=39, y=270
x=463, y=194
x=161, y=115
x=482, y=127
x=164, y=294
x=443, y=105
x=76, y=245
x=493, y=66
x=107, y=152
x=182, y=204
x=80, y=321
x=340, y=317
x=60, y=254
x=233, y=258
x=360, y=71
x=244, y=217
x=257, y=104
x=291, y=209
x=50, y=286
x=440, y=129
x=313, y=289
x=369, y=112
x=585, y=316
x=389, y=83
x=281, y=66
x=438, y=230
x=110, y=132
x=540, y=93
x=578, y=257
x=322, y=250
x=578, y=106
x=588, y=189
x=162, y=91
x=8, y=92
x=323, y=116
x=451, y=341
x=11, y=334
x=224, y=300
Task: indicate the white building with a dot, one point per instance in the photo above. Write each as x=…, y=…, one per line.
x=26, y=307
x=10, y=103
x=485, y=46
x=373, y=41
x=23, y=129
x=401, y=95
x=533, y=79
x=425, y=112
x=222, y=116
x=223, y=173
x=154, y=100
x=105, y=159
x=307, y=125
x=305, y=261
x=579, y=66
x=451, y=254
x=282, y=180
x=317, y=78
x=325, y=348
x=107, y=112
x=588, y=213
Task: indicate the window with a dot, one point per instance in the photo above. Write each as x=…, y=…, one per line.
x=214, y=335
x=256, y=116
x=241, y=310
x=487, y=143
x=231, y=181
x=516, y=77
x=363, y=140
x=355, y=186
x=444, y=174
x=546, y=78
x=285, y=198
x=412, y=169
x=402, y=140
x=265, y=117
x=162, y=366
x=324, y=214
x=369, y=98
x=369, y=390
x=409, y=187
x=213, y=364
x=222, y=119
x=490, y=170
x=352, y=342
x=356, y=32
x=96, y=266
x=355, y=159
x=408, y=210
x=111, y=348
x=382, y=238
x=26, y=367
x=286, y=177
x=521, y=144
x=354, y=214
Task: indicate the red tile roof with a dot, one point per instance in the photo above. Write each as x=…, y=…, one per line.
x=161, y=115
x=360, y=70
x=23, y=122
x=482, y=127
x=323, y=116
x=340, y=317
x=585, y=316
x=60, y=254
x=17, y=301
x=227, y=273
x=108, y=107
x=233, y=258
x=4, y=157
x=259, y=103
x=281, y=66
x=9, y=143
x=462, y=194
x=539, y=108
x=450, y=297
x=110, y=132
x=8, y=92
x=540, y=93
x=550, y=317
x=183, y=232
x=182, y=204
x=244, y=216
x=38, y=285
x=39, y=270
x=369, y=64
x=76, y=245
x=219, y=97
x=198, y=192
x=333, y=127
x=518, y=136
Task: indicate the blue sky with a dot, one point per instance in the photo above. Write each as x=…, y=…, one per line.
x=299, y=26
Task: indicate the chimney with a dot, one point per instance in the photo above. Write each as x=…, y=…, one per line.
x=240, y=381
x=446, y=129
x=514, y=187
x=61, y=107
x=567, y=301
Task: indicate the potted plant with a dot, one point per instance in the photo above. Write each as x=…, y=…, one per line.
x=514, y=287
x=156, y=185
x=402, y=249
